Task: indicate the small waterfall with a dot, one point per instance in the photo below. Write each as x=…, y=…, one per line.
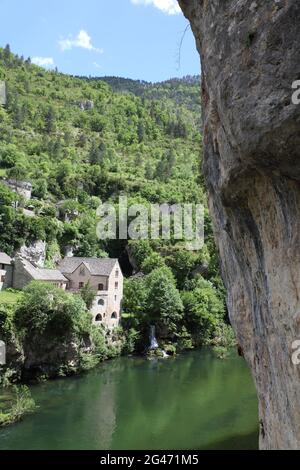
x=154, y=344
x=153, y=340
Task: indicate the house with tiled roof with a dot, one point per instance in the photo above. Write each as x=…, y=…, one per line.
x=25, y=272
x=105, y=277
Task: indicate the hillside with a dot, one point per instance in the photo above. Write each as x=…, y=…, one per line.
x=135, y=145
x=183, y=91
x=82, y=141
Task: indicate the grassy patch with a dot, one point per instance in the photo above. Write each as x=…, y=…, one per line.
x=10, y=297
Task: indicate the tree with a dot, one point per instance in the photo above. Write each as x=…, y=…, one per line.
x=10, y=156
x=7, y=54
x=166, y=165
x=50, y=118
x=96, y=153
x=163, y=303
x=7, y=197
x=182, y=264
x=135, y=297
x=88, y=295
x=153, y=261
x=57, y=331
x=204, y=311
x=17, y=173
x=48, y=313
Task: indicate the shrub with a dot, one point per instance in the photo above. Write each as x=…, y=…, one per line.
x=22, y=404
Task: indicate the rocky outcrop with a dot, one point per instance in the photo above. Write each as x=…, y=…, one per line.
x=35, y=253
x=250, y=54
x=86, y=105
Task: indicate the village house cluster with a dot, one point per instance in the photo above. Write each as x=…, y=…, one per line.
x=72, y=274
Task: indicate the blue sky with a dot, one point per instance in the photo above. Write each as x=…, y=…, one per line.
x=129, y=38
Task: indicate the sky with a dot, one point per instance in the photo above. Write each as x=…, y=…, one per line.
x=136, y=39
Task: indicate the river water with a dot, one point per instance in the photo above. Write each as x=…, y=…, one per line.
x=194, y=401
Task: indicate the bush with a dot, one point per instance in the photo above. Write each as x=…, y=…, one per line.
x=152, y=262
x=48, y=311
x=204, y=311
x=164, y=306
x=131, y=341
x=88, y=295
x=22, y=404
x=221, y=352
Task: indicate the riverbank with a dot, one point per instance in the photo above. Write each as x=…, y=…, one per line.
x=15, y=403
x=192, y=401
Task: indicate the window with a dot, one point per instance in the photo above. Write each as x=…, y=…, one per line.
x=116, y=285
x=2, y=279
x=116, y=298
x=81, y=285
x=101, y=302
x=117, y=273
x=2, y=267
x=114, y=316
x=100, y=286
x=98, y=318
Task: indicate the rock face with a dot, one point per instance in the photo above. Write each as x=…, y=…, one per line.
x=35, y=253
x=250, y=54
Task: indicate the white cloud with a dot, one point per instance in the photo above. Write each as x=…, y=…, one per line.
x=98, y=66
x=83, y=40
x=170, y=7
x=43, y=61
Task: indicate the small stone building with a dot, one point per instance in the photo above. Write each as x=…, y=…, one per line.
x=6, y=271
x=24, y=272
x=105, y=277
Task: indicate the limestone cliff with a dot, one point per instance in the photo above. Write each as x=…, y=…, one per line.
x=250, y=54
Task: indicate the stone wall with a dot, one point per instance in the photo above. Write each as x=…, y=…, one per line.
x=8, y=277
x=2, y=277
x=108, y=301
x=21, y=278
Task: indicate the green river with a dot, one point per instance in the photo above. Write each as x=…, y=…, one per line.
x=191, y=402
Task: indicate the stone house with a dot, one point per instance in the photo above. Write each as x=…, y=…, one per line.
x=24, y=272
x=6, y=271
x=105, y=277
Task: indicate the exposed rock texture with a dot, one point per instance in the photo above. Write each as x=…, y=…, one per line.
x=250, y=54
x=35, y=253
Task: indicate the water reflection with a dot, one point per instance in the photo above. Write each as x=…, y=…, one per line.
x=192, y=402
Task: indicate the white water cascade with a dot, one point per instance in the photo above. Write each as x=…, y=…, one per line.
x=153, y=340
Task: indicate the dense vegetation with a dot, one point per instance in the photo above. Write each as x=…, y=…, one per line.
x=15, y=404
x=83, y=141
